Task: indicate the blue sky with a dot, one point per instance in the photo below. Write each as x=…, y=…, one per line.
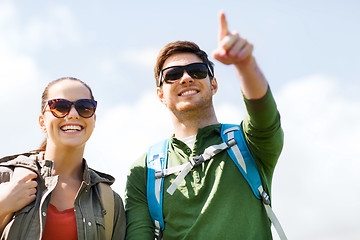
x=308, y=51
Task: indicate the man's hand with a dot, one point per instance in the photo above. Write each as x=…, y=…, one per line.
x=232, y=49
x=18, y=192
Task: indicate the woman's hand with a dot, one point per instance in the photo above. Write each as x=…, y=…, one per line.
x=18, y=192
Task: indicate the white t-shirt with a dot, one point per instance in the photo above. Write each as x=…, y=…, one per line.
x=189, y=141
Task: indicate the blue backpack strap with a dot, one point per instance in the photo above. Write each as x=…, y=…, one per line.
x=156, y=161
x=242, y=157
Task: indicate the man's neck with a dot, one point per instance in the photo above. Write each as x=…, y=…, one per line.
x=186, y=124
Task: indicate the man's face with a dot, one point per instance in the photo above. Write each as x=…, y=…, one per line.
x=186, y=94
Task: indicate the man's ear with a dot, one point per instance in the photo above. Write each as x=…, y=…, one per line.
x=42, y=123
x=214, y=86
x=160, y=94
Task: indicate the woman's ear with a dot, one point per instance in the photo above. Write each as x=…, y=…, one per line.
x=42, y=124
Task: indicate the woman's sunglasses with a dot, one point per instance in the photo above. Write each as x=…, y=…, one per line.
x=61, y=107
x=173, y=74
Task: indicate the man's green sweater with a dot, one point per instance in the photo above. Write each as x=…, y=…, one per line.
x=214, y=201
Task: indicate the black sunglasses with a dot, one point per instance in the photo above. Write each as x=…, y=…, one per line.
x=61, y=107
x=172, y=74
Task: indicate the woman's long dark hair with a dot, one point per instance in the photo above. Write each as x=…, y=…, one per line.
x=44, y=99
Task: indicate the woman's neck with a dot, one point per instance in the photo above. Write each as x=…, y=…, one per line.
x=67, y=162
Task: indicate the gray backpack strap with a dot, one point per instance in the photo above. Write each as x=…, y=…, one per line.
x=208, y=154
x=107, y=198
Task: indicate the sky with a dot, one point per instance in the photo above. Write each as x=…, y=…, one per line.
x=308, y=51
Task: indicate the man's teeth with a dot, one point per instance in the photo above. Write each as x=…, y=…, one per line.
x=71, y=128
x=188, y=92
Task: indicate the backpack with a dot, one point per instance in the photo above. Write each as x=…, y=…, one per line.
x=107, y=198
x=233, y=142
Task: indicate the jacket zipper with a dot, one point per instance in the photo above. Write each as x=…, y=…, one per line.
x=82, y=215
x=42, y=200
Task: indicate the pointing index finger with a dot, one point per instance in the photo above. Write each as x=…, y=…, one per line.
x=224, y=31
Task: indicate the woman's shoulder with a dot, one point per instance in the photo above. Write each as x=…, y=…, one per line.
x=98, y=176
x=27, y=160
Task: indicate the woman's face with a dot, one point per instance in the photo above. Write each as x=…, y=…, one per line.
x=71, y=131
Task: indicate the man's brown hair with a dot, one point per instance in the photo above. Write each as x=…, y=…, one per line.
x=180, y=47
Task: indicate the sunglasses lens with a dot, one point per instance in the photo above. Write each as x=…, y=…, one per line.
x=59, y=107
x=197, y=71
x=85, y=107
x=173, y=74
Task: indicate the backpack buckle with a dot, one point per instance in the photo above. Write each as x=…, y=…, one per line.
x=265, y=197
x=231, y=142
x=159, y=174
x=197, y=160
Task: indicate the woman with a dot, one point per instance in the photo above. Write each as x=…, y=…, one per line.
x=63, y=200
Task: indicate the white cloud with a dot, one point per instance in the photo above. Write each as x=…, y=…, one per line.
x=108, y=66
x=53, y=28
x=16, y=68
x=315, y=182
x=20, y=77
x=56, y=29
x=229, y=113
x=124, y=133
x=145, y=57
x=20, y=35
x=17, y=71
x=142, y=58
x=7, y=11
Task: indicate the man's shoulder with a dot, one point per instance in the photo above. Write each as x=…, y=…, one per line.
x=139, y=164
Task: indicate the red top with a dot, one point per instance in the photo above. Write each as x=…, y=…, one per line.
x=60, y=225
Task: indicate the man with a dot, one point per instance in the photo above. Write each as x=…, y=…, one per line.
x=214, y=201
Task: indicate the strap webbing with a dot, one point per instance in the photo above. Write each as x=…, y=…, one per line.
x=241, y=156
x=275, y=222
x=107, y=198
x=248, y=168
x=209, y=152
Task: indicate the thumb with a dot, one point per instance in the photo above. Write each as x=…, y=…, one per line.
x=22, y=174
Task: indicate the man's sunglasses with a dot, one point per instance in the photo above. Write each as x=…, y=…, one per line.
x=61, y=107
x=195, y=70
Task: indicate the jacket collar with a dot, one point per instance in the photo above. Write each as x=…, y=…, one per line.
x=36, y=162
